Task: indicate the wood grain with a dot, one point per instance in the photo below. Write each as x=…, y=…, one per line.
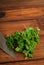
x=18, y=13
x=23, y=14
x=19, y=4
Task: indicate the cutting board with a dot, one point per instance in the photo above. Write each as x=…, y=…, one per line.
x=14, y=14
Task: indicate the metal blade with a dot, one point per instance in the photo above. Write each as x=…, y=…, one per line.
x=3, y=46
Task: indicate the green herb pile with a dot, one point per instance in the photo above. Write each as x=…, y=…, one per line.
x=24, y=41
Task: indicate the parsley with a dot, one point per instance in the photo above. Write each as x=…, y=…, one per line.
x=24, y=41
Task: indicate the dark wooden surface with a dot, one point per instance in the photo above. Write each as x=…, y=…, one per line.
x=14, y=14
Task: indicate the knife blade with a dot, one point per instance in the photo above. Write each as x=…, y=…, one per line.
x=3, y=46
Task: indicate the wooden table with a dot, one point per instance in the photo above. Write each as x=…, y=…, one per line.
x=14, y=14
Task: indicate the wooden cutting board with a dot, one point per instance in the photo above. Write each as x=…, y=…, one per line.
x=14, y=14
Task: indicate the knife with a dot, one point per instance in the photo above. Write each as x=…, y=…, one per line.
x=3, y=46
